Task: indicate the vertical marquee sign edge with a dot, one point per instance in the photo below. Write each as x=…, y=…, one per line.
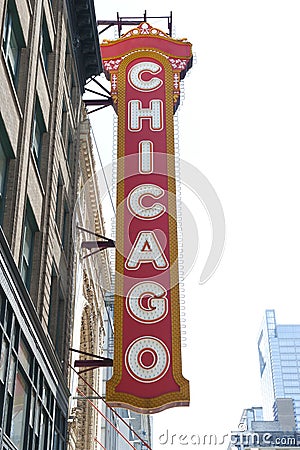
x=127, y=387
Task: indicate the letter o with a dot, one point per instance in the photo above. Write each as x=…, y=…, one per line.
x=147, y=359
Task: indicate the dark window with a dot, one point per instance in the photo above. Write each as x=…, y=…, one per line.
x=74, y=92
x=27, y=249
x=59, y=197
x=3, y=167
x=12, y=41
x=62, y=214
x=6, y=154
x=59, y=430
x=53, y=304
x=45, y=44
x=38, y=129
x=10, y=45
x=70, y=146
x=64, y=116
x=71, y=78
x=67, y=57
x=3, y=173
x=56, y=321
x=65, y=228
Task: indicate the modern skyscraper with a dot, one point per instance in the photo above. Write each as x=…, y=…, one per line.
x=277, y=422
x=279, y=359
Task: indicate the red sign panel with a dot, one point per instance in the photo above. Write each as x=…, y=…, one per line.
x=145, y=67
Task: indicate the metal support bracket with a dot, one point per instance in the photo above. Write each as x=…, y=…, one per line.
x=102, y=97
x=91, y=364
x=99, y=245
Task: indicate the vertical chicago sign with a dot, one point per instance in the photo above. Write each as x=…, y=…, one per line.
x=145, y=67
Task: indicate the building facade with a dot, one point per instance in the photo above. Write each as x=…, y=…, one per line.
x=92, y=281
x=48, y=50
x=279, y=359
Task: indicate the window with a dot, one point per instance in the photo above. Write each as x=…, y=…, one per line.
x=3, y=171
x=3, y=166
x=288, y=383
x=287, y=363
x=56, y=323
x=287, y=350
x=27, y=250
x=289, y=370
x=70, y=146
x=28, y=410
x=292, y=390
x=287, y=357
x=60, y=325
x=67, y=57
x=287, y=342
x=19, y=411
x=62, y=214
x=12, y=41
x=65, y=228
x=38, y=129
x=24, y=356
x=290, y=376
x=45, y=44
x=74, y=91
x=53, y=301
x=59, y=197
x=59, y=430
x=70, y=76
x=6, y=153
x=53, y=309
x=3, y=359
x=64, y=117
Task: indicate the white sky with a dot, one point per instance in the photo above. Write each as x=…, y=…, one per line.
x=240, y=126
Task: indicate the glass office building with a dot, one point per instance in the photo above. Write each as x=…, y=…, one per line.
x=279, y=358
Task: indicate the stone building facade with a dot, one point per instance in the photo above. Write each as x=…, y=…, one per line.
x=93, y=281
x=48, y=48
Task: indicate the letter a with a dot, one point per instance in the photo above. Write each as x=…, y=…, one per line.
x=146, y=249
